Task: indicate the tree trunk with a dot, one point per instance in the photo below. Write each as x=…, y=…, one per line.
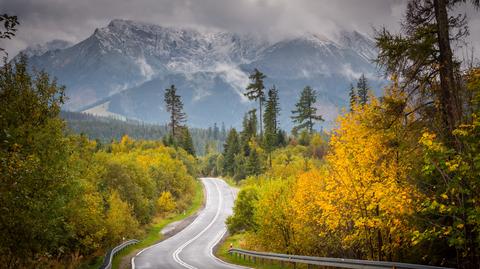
x=448, y=94
x=261, y=127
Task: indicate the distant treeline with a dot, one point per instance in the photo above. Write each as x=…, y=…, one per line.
x=106, y=129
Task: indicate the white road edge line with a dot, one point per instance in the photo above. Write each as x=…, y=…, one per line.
x=177, y=252
x=182, y=231
x=218, y=260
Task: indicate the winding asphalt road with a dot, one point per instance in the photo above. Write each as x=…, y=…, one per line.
x=192, y=248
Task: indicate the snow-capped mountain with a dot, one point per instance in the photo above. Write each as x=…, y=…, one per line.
x=123, y=69
x=39, y=49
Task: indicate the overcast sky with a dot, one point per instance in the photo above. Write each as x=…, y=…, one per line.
x=75, y=20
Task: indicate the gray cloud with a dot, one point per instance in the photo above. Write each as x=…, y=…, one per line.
x=74, y=20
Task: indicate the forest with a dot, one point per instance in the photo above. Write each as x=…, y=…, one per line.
x=66, y=198
x=105, y=129
x=397, y=178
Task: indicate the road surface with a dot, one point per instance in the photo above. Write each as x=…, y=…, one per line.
x=192, y=247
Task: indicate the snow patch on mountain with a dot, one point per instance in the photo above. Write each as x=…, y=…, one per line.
x=102, y=110
x=40, y=49
x=129, y=63
x=145, y=69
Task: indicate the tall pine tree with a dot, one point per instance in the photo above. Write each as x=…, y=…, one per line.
x=255, y=91
x=272, y=111
x=174, y=106
x=186, y=141
x=362, y=88
x=305, y=115
x=231, y=148
x=353, y=97
x=421, y=55
x=249, y=130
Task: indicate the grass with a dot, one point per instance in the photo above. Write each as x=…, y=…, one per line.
x=222, y=253
x=153, y=233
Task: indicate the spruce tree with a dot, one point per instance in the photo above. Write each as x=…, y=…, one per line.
x=187, y=142
x=362, y=87
x=174, y=106
x=223, y=132
x=249, y=130
x=231, y=148
x=305, y=114
x=255, y=91
x=272, y=111
x=216, y=131
x=353, y=97
x=421, y=55
x=253, y=166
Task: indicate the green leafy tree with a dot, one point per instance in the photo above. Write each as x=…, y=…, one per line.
x=174, y=106
x=244, y=209
x=35, y=184
x=255, y=91
x=305, y=114
x=119, y=219
x=452, y=206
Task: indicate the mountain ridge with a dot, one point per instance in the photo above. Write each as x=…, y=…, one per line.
x=128, y=64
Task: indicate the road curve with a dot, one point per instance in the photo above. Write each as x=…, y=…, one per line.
x=192, y=247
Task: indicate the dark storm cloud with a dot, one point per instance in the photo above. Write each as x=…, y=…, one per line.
x=74, y=20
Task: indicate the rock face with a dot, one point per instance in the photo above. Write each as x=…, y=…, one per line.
x=129, y=64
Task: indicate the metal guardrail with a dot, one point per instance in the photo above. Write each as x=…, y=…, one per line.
x=107, y=262
x=323, y=261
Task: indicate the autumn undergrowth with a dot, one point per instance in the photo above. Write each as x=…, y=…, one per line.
x=222, y=253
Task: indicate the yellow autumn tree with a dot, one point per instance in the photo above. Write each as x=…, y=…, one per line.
x=120, y=221
x=274, y=217
x=165, y=203
x=364, y=199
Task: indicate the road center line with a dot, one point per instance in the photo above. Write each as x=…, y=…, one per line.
x=175, y=254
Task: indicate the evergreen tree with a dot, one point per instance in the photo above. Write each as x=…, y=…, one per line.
x=231, y=148
x=281, y=138
x=223, y=132
x=255, y=92
x=421, y=55
x=174, y=106
x=209, y=132
x=362, y=86
x=353, y=97
x=305, y=114
x=272, y=111
x=253, y=166
x=249, y=130
x=216, y=131
x=187, y=142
